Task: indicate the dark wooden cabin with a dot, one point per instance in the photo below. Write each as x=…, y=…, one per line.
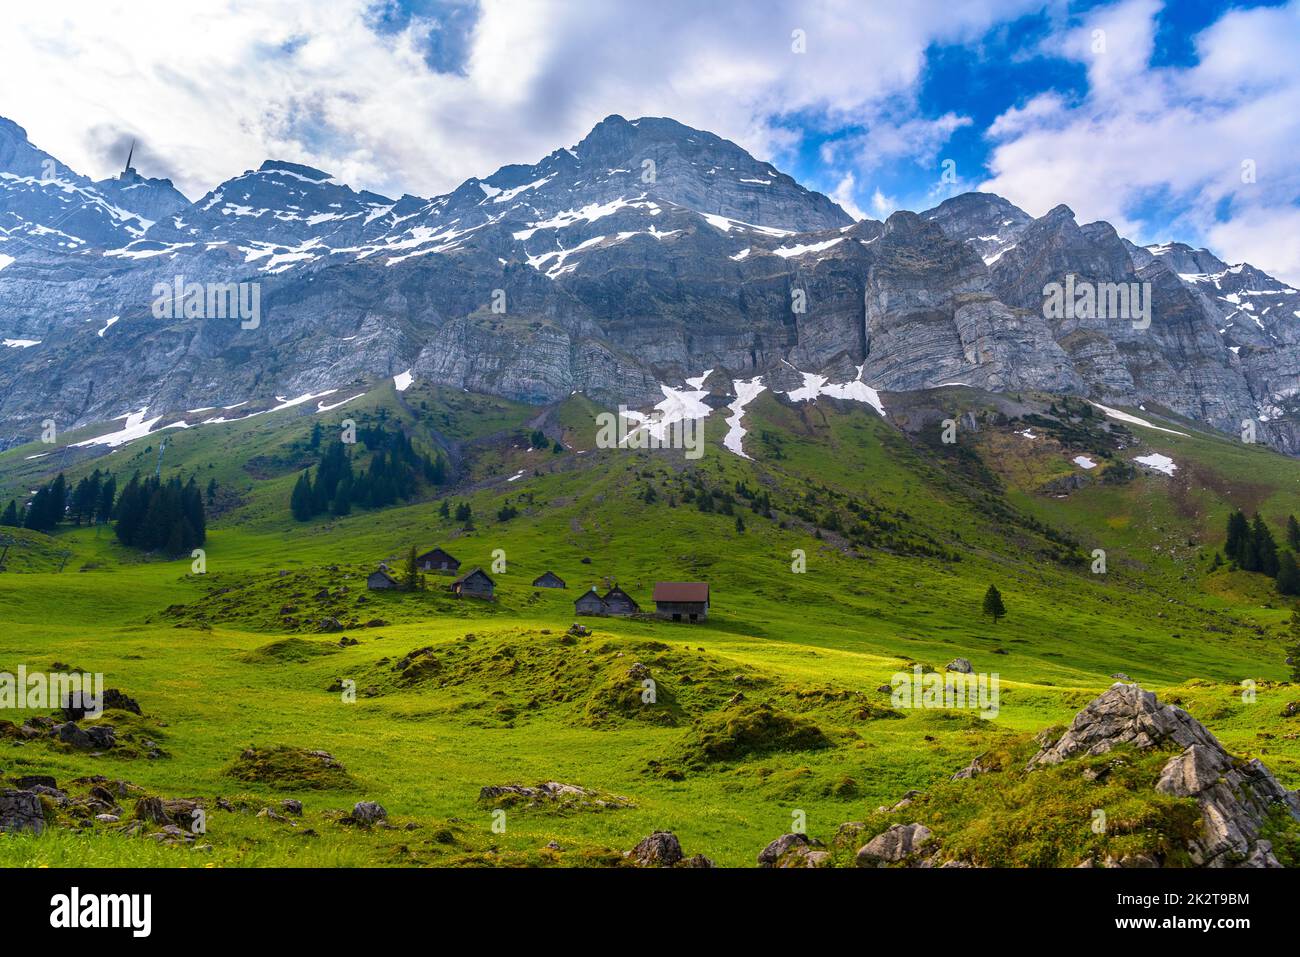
x=438, y=560
x=381, y=579
x=619, y=602
x=474, y=584
x=548, y=580
x=590, y=603
x=682, y=601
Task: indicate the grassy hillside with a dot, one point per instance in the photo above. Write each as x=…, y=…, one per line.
x=769, y=709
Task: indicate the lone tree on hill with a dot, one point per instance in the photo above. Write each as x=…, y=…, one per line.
x=993, y=606
x=414, y=580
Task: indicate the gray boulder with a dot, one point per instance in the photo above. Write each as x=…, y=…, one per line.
x=793, y=850
x=660, y=849
x=21, y=811
x=368, y=813
x=899, y=843
x=960, y=665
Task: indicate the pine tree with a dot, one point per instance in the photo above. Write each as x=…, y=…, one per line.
x=1263, y=548
x=300, y=502
x=444, y=510
x=107, y=496
x=1237, y=547
x=10, y=516
x=414, y=580
x=1288, y=575
x=740, y=524
x=993, y=606
x=1292, y=533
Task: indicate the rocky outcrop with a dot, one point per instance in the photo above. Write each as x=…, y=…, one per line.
x=902, y=842
x=1235, y=796
x=794, y=850
x=663, y=849
x=550, y=794
x=21, y=811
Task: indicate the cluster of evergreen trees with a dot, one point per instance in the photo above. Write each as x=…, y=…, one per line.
x=393, y=475
x=45, y=510
x=166, y=516
x=91, y=501
x=150, y=514
x=1252, y=548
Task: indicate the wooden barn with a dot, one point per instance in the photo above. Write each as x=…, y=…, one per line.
x=619, y=602
x=590, y=603
x=474, y=584
x=381, y=579
x=548, y=580
x=682, y=601
x=438, y=560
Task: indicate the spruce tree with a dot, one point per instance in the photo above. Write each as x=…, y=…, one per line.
x=414, y=581
x=1237, y=547
x=10, y=516
x=1292, y=533
x=300, y=502
x=993, y=606
x=1263, y=547
x=107, y=496
x=1288, y=574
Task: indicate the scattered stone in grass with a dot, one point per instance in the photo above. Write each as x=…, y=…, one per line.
x=660, y=849
x=21, y=811
x=790, y=850
x=113, y=700
x=368, y=814
x=35, y=780
x=291, y=806
x=900, y=843
x=551, y=795
x=961, y=666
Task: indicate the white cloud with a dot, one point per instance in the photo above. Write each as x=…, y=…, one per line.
x=844, y=193
x=1175, y=137
x=213, y=88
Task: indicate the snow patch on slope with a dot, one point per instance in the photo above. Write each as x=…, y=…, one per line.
x=746, y=392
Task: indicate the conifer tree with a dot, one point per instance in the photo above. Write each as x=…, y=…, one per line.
x=1288, y=574
x=993, y=606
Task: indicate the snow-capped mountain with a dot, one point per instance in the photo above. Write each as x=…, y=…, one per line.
x=642, y=255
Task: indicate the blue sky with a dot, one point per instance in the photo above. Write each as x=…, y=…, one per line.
x=1146, y=113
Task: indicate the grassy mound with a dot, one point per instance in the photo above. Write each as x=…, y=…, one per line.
x=744, y=730
x=599, y=682
x=290, y=768
x=290, y=650
x=1065, y=815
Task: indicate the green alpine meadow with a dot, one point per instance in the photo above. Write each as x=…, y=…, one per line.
x=898, y=629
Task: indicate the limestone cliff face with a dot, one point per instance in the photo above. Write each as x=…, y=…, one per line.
x=644, y=254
